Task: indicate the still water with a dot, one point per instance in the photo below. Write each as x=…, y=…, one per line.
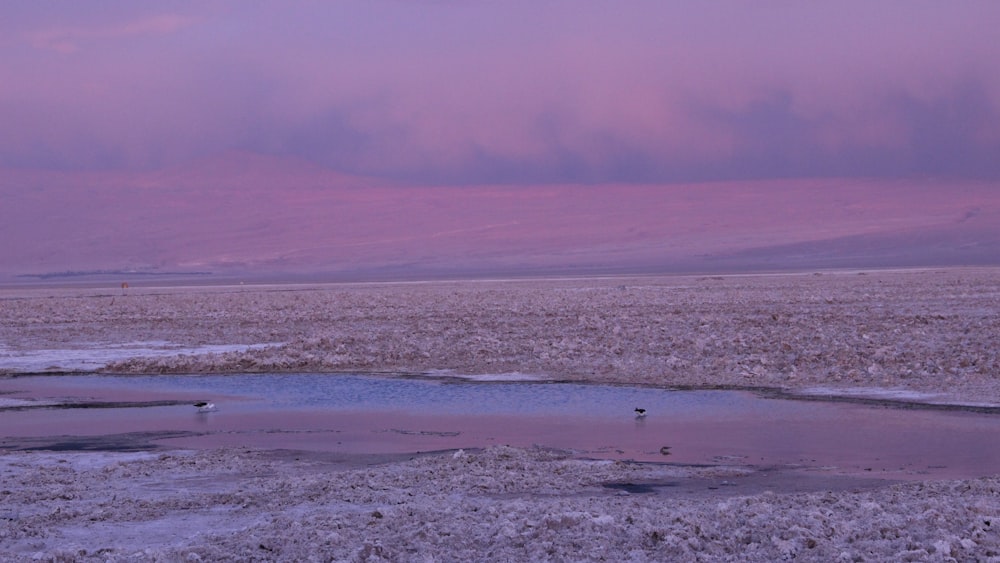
x=363, y=414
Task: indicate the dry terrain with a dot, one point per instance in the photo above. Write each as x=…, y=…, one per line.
x=932, y=333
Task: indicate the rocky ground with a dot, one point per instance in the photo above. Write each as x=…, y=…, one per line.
x=925, y=330
x=501, y=504
x=929, y=331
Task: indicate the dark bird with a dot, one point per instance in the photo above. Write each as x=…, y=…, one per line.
x=639, y=413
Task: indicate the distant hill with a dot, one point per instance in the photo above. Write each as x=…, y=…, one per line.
x=248, y=214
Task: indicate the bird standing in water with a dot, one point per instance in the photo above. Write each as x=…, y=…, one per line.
x=640, y=413
x=204, y=406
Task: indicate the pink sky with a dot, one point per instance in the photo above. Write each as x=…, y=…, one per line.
x=527, y=95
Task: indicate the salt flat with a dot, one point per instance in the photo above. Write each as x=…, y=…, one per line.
x=928, y=334
x=931, y=331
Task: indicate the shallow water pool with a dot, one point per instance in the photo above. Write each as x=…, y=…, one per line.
x=364, y=414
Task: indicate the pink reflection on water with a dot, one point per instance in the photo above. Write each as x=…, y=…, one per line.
x=842, y=438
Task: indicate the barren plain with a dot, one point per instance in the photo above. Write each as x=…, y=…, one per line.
x=923, y=336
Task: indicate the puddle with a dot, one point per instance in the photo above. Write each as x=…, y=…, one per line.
x=377, y=415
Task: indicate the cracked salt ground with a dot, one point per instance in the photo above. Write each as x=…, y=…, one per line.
x=926, y=331
x=930, y=331
x=93, y=356
x=501, y=503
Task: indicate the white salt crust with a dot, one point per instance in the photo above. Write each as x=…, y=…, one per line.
x=928, y=335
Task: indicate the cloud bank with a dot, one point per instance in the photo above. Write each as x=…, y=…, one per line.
x=512, y=92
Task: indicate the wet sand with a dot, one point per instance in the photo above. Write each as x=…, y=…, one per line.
x=929, y=334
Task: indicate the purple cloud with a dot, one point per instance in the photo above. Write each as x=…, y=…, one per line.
x=514, y=93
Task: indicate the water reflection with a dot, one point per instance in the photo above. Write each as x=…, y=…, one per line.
x=390, y=415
